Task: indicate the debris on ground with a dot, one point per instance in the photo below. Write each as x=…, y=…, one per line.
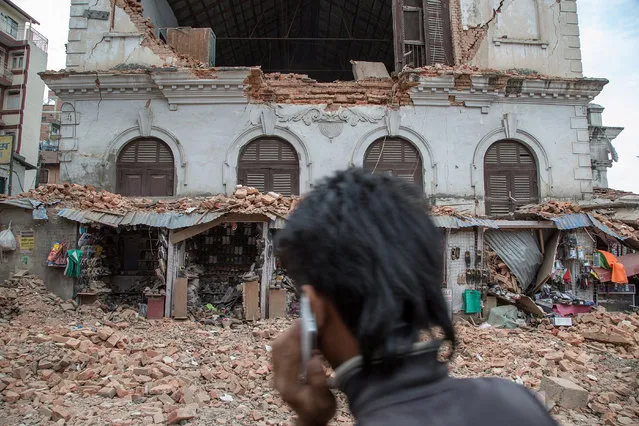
x=87, y=365
x=500, y=273
x=247, y=200
x=561, y=364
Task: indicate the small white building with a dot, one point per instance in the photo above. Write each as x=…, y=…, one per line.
x=23, y=54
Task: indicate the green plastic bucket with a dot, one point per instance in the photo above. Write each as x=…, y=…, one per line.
x=472, y=301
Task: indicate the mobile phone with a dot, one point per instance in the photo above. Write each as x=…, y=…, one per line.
x=308, y=335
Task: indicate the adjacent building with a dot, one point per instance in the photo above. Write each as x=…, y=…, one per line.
x=49, y=162
x=23, y=54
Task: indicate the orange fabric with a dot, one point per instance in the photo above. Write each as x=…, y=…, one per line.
x=618, y=271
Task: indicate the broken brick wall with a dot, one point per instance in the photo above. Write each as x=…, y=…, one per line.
x=532, y=35
x=115, y=33
x=300, y=89
x=45, y=233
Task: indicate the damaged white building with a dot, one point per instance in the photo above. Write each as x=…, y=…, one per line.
x=482, y=103
x=485, y=105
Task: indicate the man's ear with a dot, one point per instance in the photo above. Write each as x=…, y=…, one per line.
x=318, y=305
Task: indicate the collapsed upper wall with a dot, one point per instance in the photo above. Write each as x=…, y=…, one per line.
x=107, y=34
x=535, y=35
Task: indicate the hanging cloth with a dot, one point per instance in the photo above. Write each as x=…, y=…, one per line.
x=567, y=277
x=618, y=271
x=73, y=263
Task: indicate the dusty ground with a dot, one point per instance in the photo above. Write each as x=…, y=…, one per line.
x=118, y=369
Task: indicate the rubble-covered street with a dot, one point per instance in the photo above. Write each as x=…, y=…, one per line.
x=82, y=365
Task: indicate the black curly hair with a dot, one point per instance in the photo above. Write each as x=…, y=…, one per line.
x=367, y=244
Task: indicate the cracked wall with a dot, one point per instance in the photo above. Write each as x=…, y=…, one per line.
x=104, y=34
x=530, y=35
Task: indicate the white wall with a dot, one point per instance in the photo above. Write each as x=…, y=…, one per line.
x=93, y=45
x=33, y=112
x=160, y=13
x=206, y=139
x=539, y=35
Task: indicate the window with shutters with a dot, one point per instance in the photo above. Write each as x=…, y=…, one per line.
x=396, y=157
x=510, y=172
x=269, y=164
x=145, y=168
x=422, y=33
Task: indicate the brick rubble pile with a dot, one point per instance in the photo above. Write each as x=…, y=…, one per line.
x=555, y=208
x=300, y=89
x=82, y=367
x=605, y=375
x=500, y=273
x=245, y=200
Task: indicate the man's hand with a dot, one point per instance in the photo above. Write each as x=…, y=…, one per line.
x=313, y=402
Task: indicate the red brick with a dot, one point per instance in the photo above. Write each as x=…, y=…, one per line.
x=107, y=392
x=11, y=396
x=104, y=332
x=112, y=340
x=59, y=412
x=87, y=374
x=72, y=343
x=180, y=414
x=161, y=389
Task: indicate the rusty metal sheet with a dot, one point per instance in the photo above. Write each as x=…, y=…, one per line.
x=519, y=250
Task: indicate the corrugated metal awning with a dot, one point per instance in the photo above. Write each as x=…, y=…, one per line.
x=169, y=220
x=572, y=221
x=452, y=222
x=23, y=203
x=520, y=251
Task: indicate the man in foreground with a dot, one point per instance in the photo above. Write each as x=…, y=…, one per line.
x=369, y=258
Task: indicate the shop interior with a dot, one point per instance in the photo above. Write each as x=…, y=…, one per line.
x=122, y=266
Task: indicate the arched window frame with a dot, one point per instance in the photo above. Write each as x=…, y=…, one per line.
x=401, y=168
x=157, y=179
x=269, y=171
x=511, y=177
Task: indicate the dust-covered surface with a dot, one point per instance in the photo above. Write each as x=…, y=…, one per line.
x=59, y=363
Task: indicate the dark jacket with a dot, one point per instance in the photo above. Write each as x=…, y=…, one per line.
x=420, y=392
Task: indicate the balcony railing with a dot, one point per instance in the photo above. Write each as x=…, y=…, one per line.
x=38, y=39
x=25, y=33
x=5, y=72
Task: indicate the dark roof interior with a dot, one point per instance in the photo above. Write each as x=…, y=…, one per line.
x=314, y=37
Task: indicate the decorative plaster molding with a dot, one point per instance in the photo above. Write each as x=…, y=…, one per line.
x=509, y=122
x=330, y=123
x=317, y=114
x=145, y=121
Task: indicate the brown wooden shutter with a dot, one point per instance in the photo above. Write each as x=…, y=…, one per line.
x=422, y=33
x=269, y=164
x=396, y=157
x=439, y=44
x=145, y=167
x=510, y=173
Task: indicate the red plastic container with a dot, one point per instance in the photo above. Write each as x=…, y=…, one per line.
x=155, y=307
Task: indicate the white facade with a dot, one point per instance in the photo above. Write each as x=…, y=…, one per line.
x=206, y=131
x=454, y=117
x=534, y=35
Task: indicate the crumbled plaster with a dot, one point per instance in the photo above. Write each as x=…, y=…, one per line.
x=134, y=9
x=469, y=28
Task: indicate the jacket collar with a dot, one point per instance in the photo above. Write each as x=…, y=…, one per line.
x=365, y=389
